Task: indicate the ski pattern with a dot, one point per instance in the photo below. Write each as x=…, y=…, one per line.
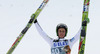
x=33, y=17
x=84, y=28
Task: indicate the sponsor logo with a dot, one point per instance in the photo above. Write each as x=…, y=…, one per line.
x=42, y=5
x=59, y=44
x=72, y=39
x=85, y=8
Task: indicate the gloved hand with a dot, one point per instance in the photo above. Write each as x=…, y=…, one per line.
x=35, y=21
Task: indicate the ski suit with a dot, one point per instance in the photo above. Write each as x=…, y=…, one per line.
x=58, y=46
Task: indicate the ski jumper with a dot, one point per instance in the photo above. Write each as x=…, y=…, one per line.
x=58, y=46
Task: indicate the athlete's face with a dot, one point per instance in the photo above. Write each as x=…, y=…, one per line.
x=61, y=32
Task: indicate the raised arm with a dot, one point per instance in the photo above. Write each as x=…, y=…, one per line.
x=42, y=33
x=75, y=38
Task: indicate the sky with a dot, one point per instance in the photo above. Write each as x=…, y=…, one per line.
x=15, y=14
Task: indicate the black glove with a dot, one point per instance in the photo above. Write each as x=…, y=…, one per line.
x=83, y=33
x=35, y=21
x=84, y=23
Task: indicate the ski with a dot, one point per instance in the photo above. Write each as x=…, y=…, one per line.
x=84, y=27
x=21, y=35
